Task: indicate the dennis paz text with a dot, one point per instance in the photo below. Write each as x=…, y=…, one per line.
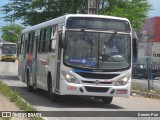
x=152, y=114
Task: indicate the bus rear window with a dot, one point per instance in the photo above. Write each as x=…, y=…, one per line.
x=98, y=23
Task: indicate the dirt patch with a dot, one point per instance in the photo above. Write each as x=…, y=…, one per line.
x=7, y=105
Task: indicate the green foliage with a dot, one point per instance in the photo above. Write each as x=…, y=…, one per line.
x=17, y=10
x=46, y=10
x=16, y=98
x=6, y=118
x=4, y=89
x=11, y=37
x=37, y=11
x=135, y=10
x=143, y=89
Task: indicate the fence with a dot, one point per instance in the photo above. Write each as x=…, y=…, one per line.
x=146, y=74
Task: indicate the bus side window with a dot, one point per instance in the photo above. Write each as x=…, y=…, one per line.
x=60, y=40
x=28, y=45
x=40, y=43
x=22, y=47
x=42, y=40
x=48, y=39
x=32, y=38
x=30, y=42
x=135, y=45
x=54, y=35
x=19, y=46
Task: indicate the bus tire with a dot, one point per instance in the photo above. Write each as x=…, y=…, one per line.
x=53, y=97
x=107, y=100
x=29, y=87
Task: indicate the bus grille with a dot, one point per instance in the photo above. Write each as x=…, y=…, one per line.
x=96, y=89
x=96, y=76
x=93, y=82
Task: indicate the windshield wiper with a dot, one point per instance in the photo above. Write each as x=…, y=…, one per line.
x=112, y=37
x=89, y=40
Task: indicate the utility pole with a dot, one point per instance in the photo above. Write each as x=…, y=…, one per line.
x=93, y=6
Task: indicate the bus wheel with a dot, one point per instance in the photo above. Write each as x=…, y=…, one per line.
x=107, y=100
x=29, y=87
x=53, y=97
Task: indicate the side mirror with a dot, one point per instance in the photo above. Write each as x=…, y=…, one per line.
x=60, y=40
x=134, y=45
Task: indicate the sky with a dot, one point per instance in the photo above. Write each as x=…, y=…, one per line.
x=156, y=7
x=152, y=13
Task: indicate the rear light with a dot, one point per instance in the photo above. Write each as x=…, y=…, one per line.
x=121, y=91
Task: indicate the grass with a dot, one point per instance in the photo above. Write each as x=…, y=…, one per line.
x=5, y=118
x=141, y=88
x=15, y=97
x=138, y=87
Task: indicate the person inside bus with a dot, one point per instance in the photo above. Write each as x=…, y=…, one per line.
x=110, y=50
x=114, y=49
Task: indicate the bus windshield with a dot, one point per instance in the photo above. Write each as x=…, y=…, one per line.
x=95, y=50
x=9, y=49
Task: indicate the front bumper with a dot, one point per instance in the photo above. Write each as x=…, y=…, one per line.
x=94, y=90
x=8, y=57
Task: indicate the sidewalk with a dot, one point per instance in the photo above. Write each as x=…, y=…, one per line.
x=6, y=105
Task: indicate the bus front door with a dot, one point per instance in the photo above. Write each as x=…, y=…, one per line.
x=22, y=61
x=58, y=63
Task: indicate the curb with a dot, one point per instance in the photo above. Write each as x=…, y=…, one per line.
x=23, y=100
x=145, y=94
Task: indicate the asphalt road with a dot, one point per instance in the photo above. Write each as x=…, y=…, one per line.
x=40, y=100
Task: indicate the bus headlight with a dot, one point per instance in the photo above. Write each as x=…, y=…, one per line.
x=123, y=81
x=70, y=78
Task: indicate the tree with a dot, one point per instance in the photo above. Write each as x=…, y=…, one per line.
x=16, y=10
x=7, y=9
x=49, y=9
x=37, y=11
x=135, y=10
x=14, y=36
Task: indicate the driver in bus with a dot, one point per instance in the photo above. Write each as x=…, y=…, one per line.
x=109, y=50
x=114, y=49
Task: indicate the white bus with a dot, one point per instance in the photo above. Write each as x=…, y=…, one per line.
x=75, y=54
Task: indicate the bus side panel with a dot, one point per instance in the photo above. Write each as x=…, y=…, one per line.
x=34, y=60
x=42, y=68
x=20, y=66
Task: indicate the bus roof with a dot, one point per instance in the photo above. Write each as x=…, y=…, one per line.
x=63, y=18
